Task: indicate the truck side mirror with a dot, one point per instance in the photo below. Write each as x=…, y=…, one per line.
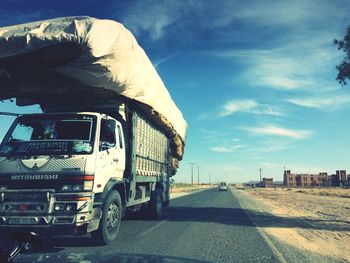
x=104, y=146
x=107, y=136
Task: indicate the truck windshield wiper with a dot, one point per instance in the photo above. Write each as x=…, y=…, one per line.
x=10, y=114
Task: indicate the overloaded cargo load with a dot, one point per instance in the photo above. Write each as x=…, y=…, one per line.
x=85, y=60
x=151, y=149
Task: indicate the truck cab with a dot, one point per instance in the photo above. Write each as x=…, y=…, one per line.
x=70, y=171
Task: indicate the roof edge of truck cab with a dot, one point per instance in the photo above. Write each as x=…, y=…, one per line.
x=64, y=113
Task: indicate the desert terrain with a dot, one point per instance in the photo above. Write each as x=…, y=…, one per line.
x=314, y=220
x=181, y=189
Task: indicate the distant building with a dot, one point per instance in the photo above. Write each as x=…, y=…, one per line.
x=267, y=182
x=341, y=174
x=322, y=179
x=290, y=180
x=339, y=178
x=252, y=184
x=333, y=180
x=277, y=183
x=304, y=180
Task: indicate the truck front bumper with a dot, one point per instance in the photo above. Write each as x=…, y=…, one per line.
x=47, y=230
x=59, y=225
x=48, y=212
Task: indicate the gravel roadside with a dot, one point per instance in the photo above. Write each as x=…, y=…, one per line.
x=285, y=232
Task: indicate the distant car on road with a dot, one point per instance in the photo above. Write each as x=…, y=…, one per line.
x=223, y=186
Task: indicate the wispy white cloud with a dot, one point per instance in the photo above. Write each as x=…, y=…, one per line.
x=282, y=82
x=234, y=106
x=160, y=61
x=226, y=149
x=292, y=54
x=152, y=18
x=267, y=110
x=323, y=103
x=203, y=116
x=157, y=18
x=259, y=147
x=221, y=149
x=278, y=131
x=282, y=70
x=247, y=106
x=288, y=67
x=303, y=59
x=270, y=146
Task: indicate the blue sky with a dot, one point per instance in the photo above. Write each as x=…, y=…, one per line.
x=255, y=80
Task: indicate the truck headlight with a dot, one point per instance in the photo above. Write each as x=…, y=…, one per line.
x=88, y=185
x=71, y=207
x=66, y=188
x=77, y=187
x=79, y=183
x=59, y=207
x=72, y=188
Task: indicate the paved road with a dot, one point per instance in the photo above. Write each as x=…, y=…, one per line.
x=207, y=225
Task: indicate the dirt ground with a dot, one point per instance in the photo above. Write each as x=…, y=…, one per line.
x=316, y=220
x=185, y=188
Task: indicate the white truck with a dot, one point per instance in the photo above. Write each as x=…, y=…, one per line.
x=79, y=166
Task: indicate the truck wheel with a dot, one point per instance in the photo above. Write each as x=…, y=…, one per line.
x=156, y=204
x=111, y=219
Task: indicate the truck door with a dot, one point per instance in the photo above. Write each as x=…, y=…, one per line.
x=120, y=147
x=111, y=155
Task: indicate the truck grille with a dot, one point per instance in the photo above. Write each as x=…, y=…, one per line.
x=14, y=185
x=26, y=197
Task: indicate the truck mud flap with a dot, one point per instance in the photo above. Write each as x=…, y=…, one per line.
x=95, y=219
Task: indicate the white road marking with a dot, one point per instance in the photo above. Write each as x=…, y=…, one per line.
x=149, y=230
x=159, y=224
x=268, y=241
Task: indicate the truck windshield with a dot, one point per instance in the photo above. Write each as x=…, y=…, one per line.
x=50, y=134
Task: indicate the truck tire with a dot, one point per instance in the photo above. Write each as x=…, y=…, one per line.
x=156, y=204
x=111, y=218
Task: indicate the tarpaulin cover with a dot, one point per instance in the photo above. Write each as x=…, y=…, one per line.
x=101, y=54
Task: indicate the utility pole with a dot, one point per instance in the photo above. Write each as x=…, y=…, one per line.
x=260, y=170
x=198, y=174
x=192, y=163
x=209, y=178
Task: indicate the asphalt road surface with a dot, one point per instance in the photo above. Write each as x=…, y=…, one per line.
x=208, y=226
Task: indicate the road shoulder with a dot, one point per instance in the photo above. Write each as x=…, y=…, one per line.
x=263, y=217
x=174, y=195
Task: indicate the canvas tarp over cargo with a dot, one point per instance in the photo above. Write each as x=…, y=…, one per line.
x=83, y=58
